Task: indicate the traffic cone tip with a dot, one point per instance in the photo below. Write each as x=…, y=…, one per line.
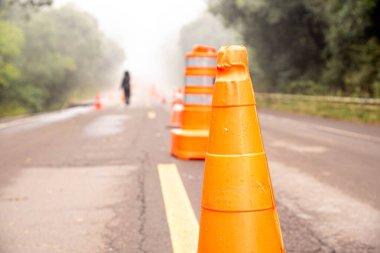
x=233, y=86
x=232, y=63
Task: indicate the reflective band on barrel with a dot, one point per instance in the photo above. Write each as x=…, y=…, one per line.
x=199, y=80
x=200, y=62
x=198, y=99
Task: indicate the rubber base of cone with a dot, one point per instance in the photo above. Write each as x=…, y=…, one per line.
x=230, y=232
x=189, y=144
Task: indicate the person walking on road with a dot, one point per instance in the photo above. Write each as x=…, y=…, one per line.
x=126, y=86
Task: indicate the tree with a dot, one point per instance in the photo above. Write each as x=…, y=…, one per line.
x=30, y=3
x=352, y=49
x=11, y=43
x=284, y=35
x=64, y=53
x=333, y=44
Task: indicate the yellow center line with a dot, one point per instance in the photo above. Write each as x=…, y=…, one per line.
x=151, y=115
x=183, y=224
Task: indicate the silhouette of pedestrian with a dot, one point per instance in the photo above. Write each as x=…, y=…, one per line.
x=126, y=86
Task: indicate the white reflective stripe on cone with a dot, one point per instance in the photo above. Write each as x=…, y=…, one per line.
x=200, y=62
x=198, y=99
x=199, y=80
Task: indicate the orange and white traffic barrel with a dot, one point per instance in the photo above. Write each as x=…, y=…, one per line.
x=190, y=141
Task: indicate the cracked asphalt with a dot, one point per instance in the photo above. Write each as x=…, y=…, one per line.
x=88, y=182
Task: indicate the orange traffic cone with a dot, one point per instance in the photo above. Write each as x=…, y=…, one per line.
x=98, y=104
x=177, y=96
x=238, y=211
x=177, y=109
x=123, y=98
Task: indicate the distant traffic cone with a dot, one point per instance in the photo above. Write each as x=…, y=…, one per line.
x=98, y=104
x=177, y=96
x=177, y=109
x=238, y=212
x=123, y=99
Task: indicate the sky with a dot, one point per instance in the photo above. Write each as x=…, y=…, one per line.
x=142, y=28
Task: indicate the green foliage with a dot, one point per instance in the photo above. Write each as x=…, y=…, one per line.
x=352, y=49
x=23, y=8
x=11, y=42
x=34, y=3
x=334, y=44
x=283, y=35
x=64, y=53
x=307, y=87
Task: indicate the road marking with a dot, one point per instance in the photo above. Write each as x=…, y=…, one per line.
x=107, y=125
x=298, y=148
x=324, y=128
x=183, y=224
x=348, y=133
x=151, y=115
x=12, y=123
x=46, y=118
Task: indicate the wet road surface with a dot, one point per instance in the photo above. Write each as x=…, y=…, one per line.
x=89, y=181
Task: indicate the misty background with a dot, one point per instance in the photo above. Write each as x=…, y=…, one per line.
x=53, y=52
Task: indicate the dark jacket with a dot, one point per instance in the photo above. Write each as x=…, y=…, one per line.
x=126, y=82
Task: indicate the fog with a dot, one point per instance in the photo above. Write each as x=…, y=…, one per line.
x=143, y=29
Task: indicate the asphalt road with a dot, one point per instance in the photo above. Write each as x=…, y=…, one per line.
x=87, y=181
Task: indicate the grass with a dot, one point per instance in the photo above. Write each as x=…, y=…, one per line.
x=12, y=110
x=326, y=109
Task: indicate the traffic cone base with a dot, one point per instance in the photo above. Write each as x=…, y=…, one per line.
x=189, y=144
x=238, y=232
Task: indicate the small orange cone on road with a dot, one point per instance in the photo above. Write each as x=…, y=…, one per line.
x=177, y=109
x=98, y=104
x=177, y=97
x=123, y=99
x=238, y=212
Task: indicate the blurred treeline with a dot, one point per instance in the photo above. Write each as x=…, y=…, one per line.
x=206, y=29
x=309, y=46
x=48, y=55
